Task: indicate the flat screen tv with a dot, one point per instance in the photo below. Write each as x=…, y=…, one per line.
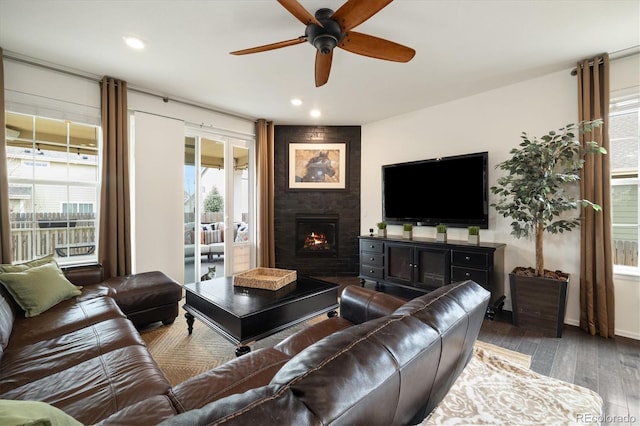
x=450, y=190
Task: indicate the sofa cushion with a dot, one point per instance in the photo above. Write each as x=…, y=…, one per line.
x=456, y=311
x=38, y=288
x=304, y=338
x=210, y=237
x=64, y=318
x=405, y=353
x=286, y=409
x=359, y=304
x=7, y=317
x=18, y=267
x=242, y=234
x=106, y=383
x=13, y=413
x=151, y=411
x=249, y=371
x=25, y=363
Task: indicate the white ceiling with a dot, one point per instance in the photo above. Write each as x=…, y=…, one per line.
x=463, y=47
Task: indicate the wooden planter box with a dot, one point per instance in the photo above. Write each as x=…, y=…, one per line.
x=538, y=303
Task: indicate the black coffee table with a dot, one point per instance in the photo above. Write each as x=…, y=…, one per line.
x=244, y=315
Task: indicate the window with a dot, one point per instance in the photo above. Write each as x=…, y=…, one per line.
x=625, y=141
x=53, y=171
x=77, y=207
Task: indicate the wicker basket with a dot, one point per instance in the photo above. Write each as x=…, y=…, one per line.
x=265, y=278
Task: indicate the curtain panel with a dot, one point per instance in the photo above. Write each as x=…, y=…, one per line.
x=5, y=225
x=114, y=248
x=597, y=307
x=266, y=193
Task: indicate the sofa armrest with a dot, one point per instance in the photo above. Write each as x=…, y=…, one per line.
x=83, y=275
x=359, y=304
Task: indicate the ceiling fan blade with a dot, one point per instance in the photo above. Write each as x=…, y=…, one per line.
x=355, y=12
x=271, y=46
x=323, y=67
x=297, y=10
x=374, y=47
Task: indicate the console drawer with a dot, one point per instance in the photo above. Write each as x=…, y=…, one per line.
x=470, y=259
x=371, y=246
x=372, y=259
x=372, y=271
x=460, y=274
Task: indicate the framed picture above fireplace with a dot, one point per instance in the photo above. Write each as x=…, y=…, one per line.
x=317, y=165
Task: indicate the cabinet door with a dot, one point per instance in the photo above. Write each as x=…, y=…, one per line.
x=399, y=263
x=432, y=268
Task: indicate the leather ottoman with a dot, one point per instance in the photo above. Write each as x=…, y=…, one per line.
x=147, y=297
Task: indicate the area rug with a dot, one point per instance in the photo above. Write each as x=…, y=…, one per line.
x=495, y=388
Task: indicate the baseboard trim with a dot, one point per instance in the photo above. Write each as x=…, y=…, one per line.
x=617, y=332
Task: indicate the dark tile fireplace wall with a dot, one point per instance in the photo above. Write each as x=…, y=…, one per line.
x=344, y=203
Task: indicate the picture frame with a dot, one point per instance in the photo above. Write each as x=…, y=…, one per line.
x=317, y=165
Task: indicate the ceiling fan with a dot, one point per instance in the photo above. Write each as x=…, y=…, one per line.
x=328, y=29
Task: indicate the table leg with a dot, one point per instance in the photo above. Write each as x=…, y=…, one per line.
x=190, y=320
x=242, y=350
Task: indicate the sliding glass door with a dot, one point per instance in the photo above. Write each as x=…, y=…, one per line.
x=218, y=206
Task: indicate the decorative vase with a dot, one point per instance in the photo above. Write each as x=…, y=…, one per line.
x=441, y=236
x=474, y=239
x=382, y=233
x=407, y=234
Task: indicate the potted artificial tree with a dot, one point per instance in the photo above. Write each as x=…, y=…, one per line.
x=382, y=229
x=441, y=233
x=532, y=194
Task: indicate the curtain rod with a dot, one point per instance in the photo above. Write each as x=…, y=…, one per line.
x=96, y=79
x=634, y=49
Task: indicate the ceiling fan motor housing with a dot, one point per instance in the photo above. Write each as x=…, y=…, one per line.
x=327, y=37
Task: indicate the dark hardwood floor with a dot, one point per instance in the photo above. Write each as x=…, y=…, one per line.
x=611, y=367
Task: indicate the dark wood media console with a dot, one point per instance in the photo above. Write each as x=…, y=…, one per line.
x=424, y=264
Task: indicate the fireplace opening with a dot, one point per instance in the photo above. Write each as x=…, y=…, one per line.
x=316, y=235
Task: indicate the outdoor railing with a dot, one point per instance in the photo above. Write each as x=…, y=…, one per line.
x=34, y=235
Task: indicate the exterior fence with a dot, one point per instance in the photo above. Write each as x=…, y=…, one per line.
x=625, y=252
x=74, y=234
x=211, y=217
x=39, y=234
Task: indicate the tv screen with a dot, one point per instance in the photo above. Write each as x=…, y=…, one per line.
x=449, y=190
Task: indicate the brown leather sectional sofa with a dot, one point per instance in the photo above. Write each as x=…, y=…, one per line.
x=84, y=355
x=382, y=361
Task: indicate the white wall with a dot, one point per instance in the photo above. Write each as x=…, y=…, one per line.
x=157, y=181
x=490, y=121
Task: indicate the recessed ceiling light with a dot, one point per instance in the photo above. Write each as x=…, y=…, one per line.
x=315, y=113
x=296, y=101
x=134, y=42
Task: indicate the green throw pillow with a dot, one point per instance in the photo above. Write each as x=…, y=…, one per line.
x=19, y=267
x=14, y=413
x=38, y=288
